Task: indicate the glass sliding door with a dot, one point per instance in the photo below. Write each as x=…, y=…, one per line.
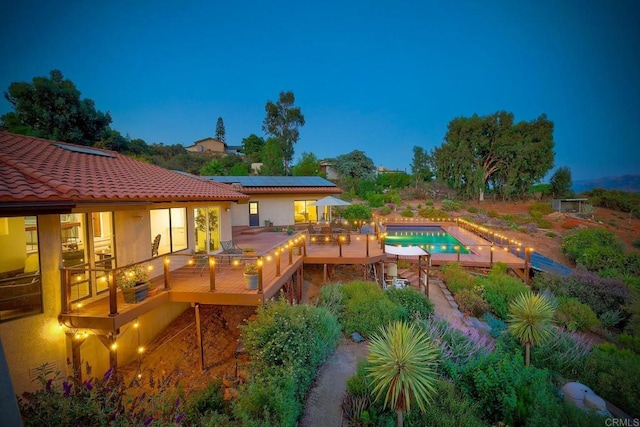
x=207, y=229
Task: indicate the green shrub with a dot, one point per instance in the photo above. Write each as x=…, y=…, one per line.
x=375, y=200
x=472, y=209
x=204, y=403
x=550, y=234
x=432, y=213
x=507, y=391
x=286, y=345
x=593, y=242
x=407, y=213
x=575, y=316
x=540, y=209
x=367, y=308
x=543, y=222
x=417, y=305
x=497, y=325
x=450, y=408
x=615, y=199
x=493, y=214
x=428, y=203
x=636, y=243
x=564, y=353
x=471, y=301
x=630, y=342
x=385, y=210
x=499, y=290
x=601, y=294
x=457, y=278
x=450, y=205
x=332, y=298
x=613, y=374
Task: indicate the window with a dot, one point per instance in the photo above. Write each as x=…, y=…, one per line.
x=87, y=248
x=171, y=226
x=303, y=211
x=20, y=285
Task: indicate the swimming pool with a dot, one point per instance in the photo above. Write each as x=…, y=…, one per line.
x=430, y=238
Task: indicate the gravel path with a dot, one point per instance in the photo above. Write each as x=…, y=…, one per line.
x=324, y=403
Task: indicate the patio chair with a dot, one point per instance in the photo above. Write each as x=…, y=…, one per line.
x=229, y=248
x=155, y=246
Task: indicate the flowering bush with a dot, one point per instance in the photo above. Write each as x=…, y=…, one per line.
x=131, y=276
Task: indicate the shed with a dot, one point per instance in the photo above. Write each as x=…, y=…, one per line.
x=569, y=205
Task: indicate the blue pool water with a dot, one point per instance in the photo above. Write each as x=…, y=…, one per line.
x=430, y=238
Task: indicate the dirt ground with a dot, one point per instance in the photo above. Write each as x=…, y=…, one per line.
x=174, y=354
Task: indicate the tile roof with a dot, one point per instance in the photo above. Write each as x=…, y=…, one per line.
x=279, y=184
x=43, y=171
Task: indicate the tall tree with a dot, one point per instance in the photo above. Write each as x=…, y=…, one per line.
x=51, y=108
x=308, y=165
x=272, y=159
x=482, y=151
x=561, y=183
x=530, y=317
x=402, y=367
x=221, y=134
x=282, y=122
x=355, y=164
x=252, y=147
x=420, y=165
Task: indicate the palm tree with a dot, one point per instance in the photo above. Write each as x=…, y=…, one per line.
x=530, y=317
x=402, y=366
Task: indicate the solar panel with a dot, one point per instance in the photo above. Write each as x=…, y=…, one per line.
x=84, y=150
x=275, y=181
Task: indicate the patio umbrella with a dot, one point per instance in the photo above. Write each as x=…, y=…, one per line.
x=329, y=201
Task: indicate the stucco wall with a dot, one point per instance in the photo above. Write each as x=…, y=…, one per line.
x=277, y=208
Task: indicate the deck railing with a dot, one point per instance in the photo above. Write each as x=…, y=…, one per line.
x=84, y=274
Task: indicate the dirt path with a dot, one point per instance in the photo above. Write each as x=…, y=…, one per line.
x=324, y=402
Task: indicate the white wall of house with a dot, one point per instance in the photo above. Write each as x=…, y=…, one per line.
x=276, y=208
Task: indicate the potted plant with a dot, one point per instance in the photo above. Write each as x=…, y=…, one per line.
x=251, y=276
x=248, y=251
x=134, y=283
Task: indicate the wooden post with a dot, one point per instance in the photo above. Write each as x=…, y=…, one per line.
x=259, y=263
x=113, y=354
x=491, y=256
x=278, y=262
x=527, y=264
x=196, y=307
x=458, y=252
x=113, y=295
x=366, y=236
x=212, y=273
x=167, y=278
x=420, y=272
x=324, y=274
x=76, y=357
x=290, y=246
x=66, y=291
x=340, y=246
x=290, y=290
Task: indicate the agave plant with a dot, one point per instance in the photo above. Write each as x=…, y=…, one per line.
x=402, y=367
x=530, y=317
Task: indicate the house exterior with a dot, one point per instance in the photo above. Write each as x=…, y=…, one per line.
x=279, y=200
x=62, y=206
x=569, y=205
x=213, y=146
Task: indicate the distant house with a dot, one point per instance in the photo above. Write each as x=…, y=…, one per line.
x=70, y=217
x=327, y=167
x=280, y=200
x=213, y=146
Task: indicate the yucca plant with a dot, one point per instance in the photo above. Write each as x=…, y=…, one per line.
x=402, y=367
x=530, y=317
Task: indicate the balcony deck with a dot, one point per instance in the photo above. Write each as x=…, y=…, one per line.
x=192, y=284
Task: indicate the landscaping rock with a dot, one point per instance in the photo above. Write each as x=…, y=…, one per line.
x=356, y=337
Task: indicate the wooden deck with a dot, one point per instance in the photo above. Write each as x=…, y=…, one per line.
x=196, y=284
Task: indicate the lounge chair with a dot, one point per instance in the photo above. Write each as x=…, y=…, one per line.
x=155, y=246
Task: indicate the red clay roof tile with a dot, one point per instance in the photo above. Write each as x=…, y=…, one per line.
x=35, y=169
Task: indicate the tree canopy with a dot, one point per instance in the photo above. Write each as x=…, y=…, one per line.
x=420, y=165
x=561, y=183
x=308, y=165
x=51, y=108
x=492, y=151
x=282, y=122
x=252, y=147
x=272, y=159
x=355, y=164
x=221, y=133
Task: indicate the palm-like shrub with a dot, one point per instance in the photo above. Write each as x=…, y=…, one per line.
x=402, y=367
x=530, y=317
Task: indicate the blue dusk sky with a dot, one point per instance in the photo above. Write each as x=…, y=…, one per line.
x=377, y=76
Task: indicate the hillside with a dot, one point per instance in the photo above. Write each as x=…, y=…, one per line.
x=630, y=183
